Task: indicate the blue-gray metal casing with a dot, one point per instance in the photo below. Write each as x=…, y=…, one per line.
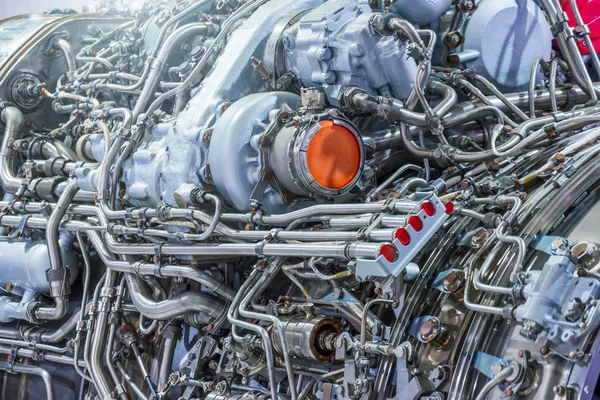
x=335, y=47
x=237, y=134
x=23, y=265
x=508, y=35
x=420, y=12
x=548, y=293
x=176, y=153
x=24, y=262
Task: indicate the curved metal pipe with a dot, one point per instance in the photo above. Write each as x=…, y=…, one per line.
x=31, y=370
x=67, y=50
x=14, y=120
x=175, y=306
x=158, y=66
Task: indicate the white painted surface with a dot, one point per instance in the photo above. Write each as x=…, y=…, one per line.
x=9, y=8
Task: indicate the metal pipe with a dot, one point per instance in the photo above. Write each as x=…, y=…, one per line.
x=552, y=84
x=102, y=381
x=266, y=340
x=170, y=308
x=14, y=121
x=69, y=54
x=157, y=68
x=263, y=282
x=586, y=35
x=31, y=370
x=59, y=279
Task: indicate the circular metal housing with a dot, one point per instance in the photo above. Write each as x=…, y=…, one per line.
x=322, y=158
x=309, y=338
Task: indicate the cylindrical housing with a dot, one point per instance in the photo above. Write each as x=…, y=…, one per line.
x=310, y=338
x=323, y=158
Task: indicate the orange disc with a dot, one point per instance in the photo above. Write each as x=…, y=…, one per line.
x=333, y=156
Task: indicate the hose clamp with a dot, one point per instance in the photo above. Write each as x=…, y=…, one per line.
x=259, y=248
x=158, y=260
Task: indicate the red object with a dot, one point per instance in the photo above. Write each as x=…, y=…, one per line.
x=429, y=208
x=389, y=252
x=449, y=207
x=416, y=223
x=590, y=13
x=403, y=236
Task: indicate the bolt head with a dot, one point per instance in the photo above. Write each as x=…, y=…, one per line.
x=559, y=390
x=429, y=329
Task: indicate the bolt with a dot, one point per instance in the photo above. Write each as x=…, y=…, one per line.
x=114, y=395
x=11, y=358
x=558, y=244
x=450, y=279
x=560, y=390
x=544, y=350
x=509, y=392
x=560, y=158
x=573, y=354
x=429, y=329
x=10, y=286
x=521, y=353
x=122, y=193
x=438, y=373
x=265, y=142
x=288, y=197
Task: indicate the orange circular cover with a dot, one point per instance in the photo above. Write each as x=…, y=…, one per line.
x=333, y=156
